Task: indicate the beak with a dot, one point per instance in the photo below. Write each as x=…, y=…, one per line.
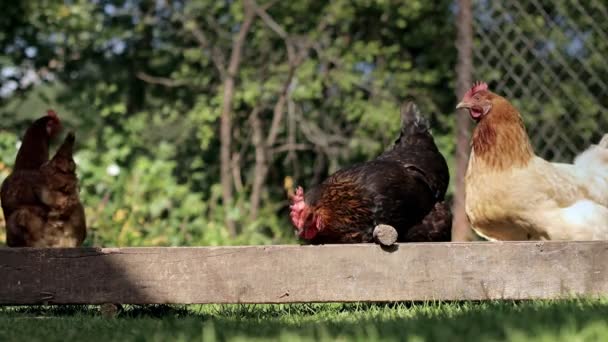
x=463, y=104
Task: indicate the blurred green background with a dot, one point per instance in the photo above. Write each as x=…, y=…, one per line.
x=308, y=86
x=142, y=84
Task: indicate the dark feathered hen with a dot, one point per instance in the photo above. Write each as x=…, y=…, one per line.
x=35, y=215
x=404, y=187
x=23, y=211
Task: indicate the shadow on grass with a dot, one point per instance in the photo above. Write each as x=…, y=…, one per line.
x=159, y=311
x=540, y=320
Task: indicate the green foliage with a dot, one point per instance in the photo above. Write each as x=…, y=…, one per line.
x=144, y=94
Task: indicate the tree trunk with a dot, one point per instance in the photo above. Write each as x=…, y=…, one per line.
x=226, y=116
x=262, y=147
x=464, y=70
x=261, y=164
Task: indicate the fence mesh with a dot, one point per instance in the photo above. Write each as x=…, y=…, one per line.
x=549, y=58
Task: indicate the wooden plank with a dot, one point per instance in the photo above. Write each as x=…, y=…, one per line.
x=287, y=274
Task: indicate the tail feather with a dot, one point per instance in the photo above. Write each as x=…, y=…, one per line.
x=436, y=226
x=604, y=142
x=63, y=159
x=411, y=118
x=66, y=149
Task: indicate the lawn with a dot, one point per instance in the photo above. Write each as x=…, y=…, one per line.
x=569, y=320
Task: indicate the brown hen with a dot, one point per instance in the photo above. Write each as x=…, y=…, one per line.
x=40, y=197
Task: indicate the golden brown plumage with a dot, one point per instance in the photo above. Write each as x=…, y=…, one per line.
x=511, y=194
x=500, y=140
x=66, y=224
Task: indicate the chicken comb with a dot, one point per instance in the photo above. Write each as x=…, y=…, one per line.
x=477, y=87
x=52, y=114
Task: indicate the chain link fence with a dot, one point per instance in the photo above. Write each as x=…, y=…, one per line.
x=549, y=58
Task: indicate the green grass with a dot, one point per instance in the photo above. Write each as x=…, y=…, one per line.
x=571, y=320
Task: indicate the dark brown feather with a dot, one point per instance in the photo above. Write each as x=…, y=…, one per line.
x=40, y=198
x=34, y=150
x=399, y=188
x=436, y=226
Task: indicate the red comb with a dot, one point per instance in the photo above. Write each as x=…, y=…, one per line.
x=52, y=114
x=477, y=87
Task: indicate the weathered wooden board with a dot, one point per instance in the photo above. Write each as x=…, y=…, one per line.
x=283, y=274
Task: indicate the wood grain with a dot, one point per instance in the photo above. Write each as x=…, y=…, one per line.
x=286, y=274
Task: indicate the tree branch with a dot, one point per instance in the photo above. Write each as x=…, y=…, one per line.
x=263, y=149
x=318, y=137
x=216, y=54
x=164, y=81
x=289, y=147
x=221, y=33
x=199, y=35
x=291, y=135
x=261, y=166
x=279, y=109
x=278, y=29
x=226, y=115
x=236, y=172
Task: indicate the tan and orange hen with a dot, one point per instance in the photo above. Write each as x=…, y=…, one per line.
x=512, y=194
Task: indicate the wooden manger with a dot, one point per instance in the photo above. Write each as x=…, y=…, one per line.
x=289, y=274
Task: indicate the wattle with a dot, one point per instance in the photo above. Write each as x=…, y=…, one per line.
x=308, y=233
x=476, y=114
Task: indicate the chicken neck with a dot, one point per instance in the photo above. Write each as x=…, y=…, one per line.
x=34, y=150
x=500, y=140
